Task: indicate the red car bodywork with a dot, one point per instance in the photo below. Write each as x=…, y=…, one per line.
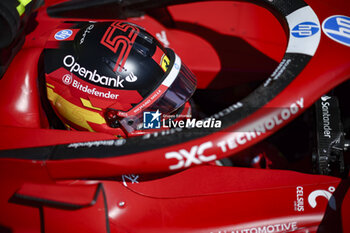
x=105, y=194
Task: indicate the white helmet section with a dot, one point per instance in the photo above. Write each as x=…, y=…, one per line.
x=173, y=73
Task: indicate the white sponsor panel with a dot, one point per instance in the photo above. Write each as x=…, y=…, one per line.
x=303, y=44
x=173, y=72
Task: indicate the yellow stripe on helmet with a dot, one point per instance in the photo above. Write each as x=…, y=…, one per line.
x=74, y=113
x=88, y=104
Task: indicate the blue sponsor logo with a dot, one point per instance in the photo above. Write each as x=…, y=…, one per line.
x=151, y=120
x=337, y=28
x=305, y=29
x=63, y=34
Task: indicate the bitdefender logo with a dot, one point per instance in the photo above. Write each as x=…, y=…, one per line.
x=151, y=120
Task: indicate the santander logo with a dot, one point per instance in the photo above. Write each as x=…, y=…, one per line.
x=325, y=98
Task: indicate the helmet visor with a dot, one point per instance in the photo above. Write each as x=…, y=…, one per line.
x=174, y=91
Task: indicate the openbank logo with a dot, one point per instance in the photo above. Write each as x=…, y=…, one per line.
x=91, y=76
x=151, y=120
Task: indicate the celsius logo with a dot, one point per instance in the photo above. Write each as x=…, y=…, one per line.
x=151, y=120
x=67, y=79
x=337, y=28
x=63, y=34
x=131, y=78
x=305, y=29
x=299, y=203
x=325, y=98
x=323, y=193
x=92, y=76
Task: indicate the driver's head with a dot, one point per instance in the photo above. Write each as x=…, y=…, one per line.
x=103, y=76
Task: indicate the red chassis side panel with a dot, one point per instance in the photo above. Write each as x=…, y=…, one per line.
x=202, y=199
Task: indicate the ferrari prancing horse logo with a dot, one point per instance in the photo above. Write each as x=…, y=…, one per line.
x=164, y=63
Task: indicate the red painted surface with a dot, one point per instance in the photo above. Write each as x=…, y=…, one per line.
x=200, y=199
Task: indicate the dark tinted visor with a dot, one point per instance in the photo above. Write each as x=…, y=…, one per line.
x=176, y=95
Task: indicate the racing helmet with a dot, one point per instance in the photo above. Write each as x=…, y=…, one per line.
x=103, y=77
